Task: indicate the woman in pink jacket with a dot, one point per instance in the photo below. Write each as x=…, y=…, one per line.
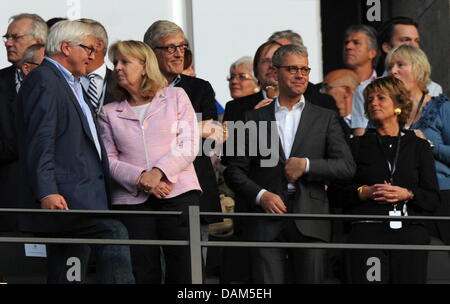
x=151, y=136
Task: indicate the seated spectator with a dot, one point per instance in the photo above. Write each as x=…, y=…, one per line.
x=430, y=117
x=395, y=176
x=242, y=82
x=151, y=136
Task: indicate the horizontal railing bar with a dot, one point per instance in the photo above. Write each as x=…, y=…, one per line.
x=327, y=216
x=325, y=245
x=38, y=240
x=90, y=212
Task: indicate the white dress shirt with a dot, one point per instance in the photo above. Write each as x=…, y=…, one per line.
x=99, y=79
x=287, y=125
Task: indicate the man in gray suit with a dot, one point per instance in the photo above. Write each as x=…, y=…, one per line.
x=309, y=148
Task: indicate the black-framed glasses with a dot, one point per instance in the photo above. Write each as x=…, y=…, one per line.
x=90, y=49
x=241, y=77
x=13, y=37
x=31, y=62
x=292, y=69
x=324, y=88
x=173, y=48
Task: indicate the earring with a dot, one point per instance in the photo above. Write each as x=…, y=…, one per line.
x=397, y=111
x=256, y=90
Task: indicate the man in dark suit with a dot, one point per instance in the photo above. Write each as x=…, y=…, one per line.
x=169, y=44
x=23, y=31
x=64, y=163
x=307, y=149
x=98, y=82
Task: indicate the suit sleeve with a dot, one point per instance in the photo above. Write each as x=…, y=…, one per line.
x=123, y=173
x=238, y=168
x=338, y=163
x=40, y=113
x=441, y=151
x=208, y=103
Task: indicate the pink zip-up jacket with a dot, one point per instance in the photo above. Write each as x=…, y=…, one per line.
x=168, y=139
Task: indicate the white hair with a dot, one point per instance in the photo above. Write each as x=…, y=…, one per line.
x=245, y=61
x=72, y=31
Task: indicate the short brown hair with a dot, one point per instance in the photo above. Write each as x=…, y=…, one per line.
x=396, y=91
x=153, y=79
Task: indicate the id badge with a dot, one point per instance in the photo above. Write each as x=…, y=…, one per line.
x=395, y=224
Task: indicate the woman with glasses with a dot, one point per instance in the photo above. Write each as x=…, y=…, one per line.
x=241, y=81
x=430, y=118
x=395, y=176
x=152, y=138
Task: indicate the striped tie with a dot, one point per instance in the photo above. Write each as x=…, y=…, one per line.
x=92, y=92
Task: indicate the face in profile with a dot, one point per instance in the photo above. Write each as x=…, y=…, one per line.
x=241, y=82
x=80, y=55
x=401, y=69
x=129, y=71
x=19, y=39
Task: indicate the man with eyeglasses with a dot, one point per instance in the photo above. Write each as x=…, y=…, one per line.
x=312, y=152
x=98, y=82
x=341, y=84
x=23, y=31
x=64, y=163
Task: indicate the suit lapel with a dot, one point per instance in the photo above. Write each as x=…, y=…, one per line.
x=306, y=120
x=73, y=99
x=268, y=113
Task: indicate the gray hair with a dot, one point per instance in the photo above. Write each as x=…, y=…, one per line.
x=31, y=53
x=292, y=36
x=287, y=49
x=158, y=30
x=39, y=28
x=98, y=31
x=245, y=61
x=72, y=31
x=371, y=35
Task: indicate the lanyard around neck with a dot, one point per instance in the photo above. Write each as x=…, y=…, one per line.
x=391, y=167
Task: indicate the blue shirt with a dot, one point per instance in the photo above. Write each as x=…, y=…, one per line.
x=75, y=85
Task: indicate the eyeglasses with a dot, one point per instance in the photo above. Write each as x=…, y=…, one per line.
x=13, y=37
x=240, y=77
x=294, y=70
x=90, y=49
x=173, y=48
x=324, y=88
x=32, y=63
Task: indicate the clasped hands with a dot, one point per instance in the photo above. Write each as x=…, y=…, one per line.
x=215, y=131
x=385, y=193
x=294, y=168
x=154, y=182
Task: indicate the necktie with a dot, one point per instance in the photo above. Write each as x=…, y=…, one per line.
x=18, y=80
x=93, y=92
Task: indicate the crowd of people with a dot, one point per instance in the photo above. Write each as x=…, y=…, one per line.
x=150, y=136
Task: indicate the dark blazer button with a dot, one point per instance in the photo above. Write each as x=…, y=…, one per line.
x=100, y=176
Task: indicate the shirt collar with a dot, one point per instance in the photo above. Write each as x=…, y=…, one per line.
x=176, y=81
x=101, y=71
x=298, y=106
x=66, y=73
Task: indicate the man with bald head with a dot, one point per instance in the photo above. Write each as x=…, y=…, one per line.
x=341, y=84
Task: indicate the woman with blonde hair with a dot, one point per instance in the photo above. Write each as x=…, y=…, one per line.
x=151, y=136
x=430, y=119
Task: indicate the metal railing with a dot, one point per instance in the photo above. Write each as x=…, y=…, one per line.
x=196, y=244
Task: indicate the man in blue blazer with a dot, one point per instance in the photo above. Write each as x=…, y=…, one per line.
x=63, y=159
